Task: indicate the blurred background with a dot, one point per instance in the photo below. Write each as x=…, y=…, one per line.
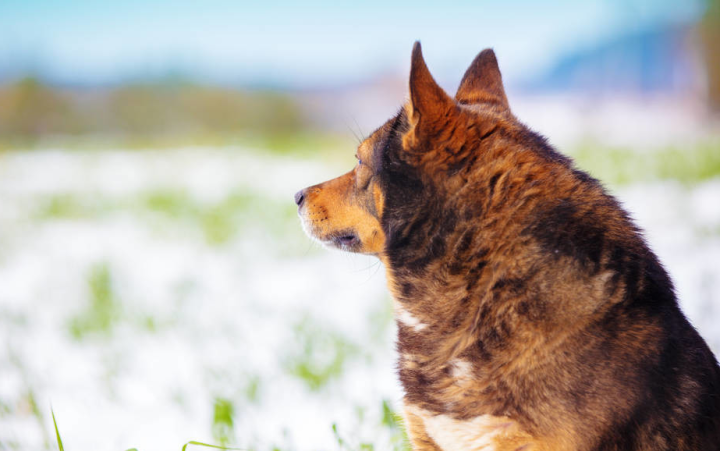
x=155, y=285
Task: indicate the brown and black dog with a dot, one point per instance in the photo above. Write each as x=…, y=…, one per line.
x=531, y=314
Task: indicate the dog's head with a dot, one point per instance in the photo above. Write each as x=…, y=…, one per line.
x=416, y=158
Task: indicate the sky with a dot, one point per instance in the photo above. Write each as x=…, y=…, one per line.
x=304, y=44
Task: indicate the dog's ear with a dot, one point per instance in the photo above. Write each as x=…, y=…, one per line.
x=430, y=107
x=482, y=83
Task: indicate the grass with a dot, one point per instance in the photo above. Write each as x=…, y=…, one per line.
x=394, y=421
x=319, y=145
x=174, y=204
x=221, y=221
x=72, y=206
x=390, y=420
x=206, y=445
x=218, y=222
x=223, y=426
x=310, y=145
x=252, y=389
x=614, y=165
x=343, y=444
x=622, y=166
x=61, y=447
x=103, y=310
x=320, y=356
x=62, y=206
x=223, y=413
x=57, y=432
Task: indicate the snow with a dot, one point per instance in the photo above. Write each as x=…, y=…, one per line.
x=196, y=321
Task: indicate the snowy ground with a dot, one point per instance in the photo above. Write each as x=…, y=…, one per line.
x=158, y=297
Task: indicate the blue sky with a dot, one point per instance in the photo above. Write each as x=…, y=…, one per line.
x=304, y=43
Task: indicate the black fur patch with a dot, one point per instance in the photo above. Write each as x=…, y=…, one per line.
x=562, y=231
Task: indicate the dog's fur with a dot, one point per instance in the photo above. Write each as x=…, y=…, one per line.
x=531, y=314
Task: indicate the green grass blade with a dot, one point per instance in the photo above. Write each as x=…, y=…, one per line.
x=209, y=446
x=57, y=432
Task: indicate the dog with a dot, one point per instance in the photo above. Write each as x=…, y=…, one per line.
x=531, y=314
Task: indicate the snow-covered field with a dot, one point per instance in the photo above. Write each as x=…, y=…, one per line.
x=158, y=297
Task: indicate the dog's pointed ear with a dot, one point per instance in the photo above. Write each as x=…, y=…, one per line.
x=482, y=82
x=429, y=105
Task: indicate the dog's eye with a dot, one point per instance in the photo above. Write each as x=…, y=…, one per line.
x=358, y=159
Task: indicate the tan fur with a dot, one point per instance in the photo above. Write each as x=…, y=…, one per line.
x=329, y=209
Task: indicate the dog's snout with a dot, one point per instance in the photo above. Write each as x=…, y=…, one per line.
x=300, y=197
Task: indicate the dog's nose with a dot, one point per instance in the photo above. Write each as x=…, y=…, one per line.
x=300, y=197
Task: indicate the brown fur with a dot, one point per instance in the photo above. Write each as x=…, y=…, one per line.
x=531, y=314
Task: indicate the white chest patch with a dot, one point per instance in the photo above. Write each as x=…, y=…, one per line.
x=479, y=433
x=408, y=319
